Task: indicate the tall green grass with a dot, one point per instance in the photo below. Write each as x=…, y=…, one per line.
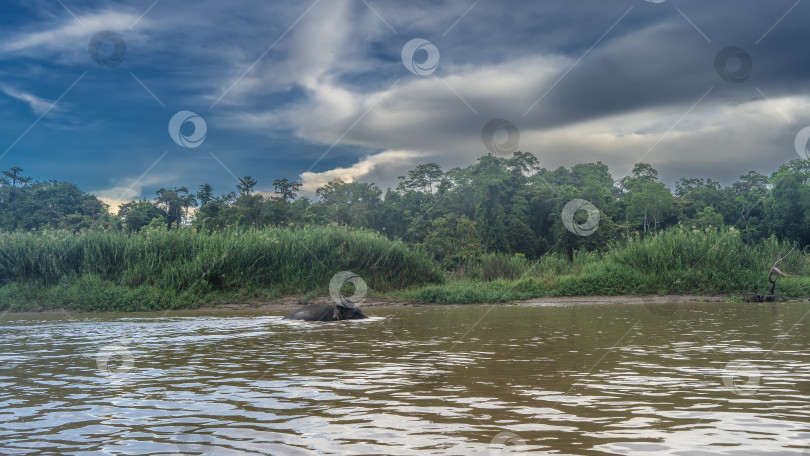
x=164, y=269
x=116, y=271
x=680, y=260
x=676, y=261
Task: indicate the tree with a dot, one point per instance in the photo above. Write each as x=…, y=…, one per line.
x=788, y=205
x=139, y=214
x=493, y=187
x=217, y=214
x=648, y=203
x=246, y=185
x=175, y=203
x=643, y=172
x=351, y=203
x=205, y=194
x=595, y=184
x=520, y=235
x=249, y=210
x=423, y=178
x=685, y=186
x=453, y=240
x=647, y=200
x=696, y=194
x=13, y=175
x=287, y=190
x=750, y=192
x=51, y=204
x=708, y=218
x=524, y=163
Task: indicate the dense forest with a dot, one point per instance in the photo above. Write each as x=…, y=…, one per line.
x=506, y=205
x=498, y=230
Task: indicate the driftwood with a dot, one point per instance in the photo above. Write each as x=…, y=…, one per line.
x=773, y=274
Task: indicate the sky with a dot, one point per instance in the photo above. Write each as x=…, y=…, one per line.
x=123, y=98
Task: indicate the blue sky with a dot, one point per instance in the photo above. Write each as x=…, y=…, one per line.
x=315, y=90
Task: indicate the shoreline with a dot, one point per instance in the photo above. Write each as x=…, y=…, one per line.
x=293, y=302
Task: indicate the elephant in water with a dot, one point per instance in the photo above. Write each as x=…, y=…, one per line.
x=325, y=312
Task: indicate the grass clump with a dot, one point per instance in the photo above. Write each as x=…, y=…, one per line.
x=674, y=261
x=468, y=291
x=162, y=269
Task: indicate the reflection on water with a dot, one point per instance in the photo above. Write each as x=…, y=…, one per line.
x=729, y=379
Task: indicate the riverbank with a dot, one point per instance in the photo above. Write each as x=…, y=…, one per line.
x=292, y=302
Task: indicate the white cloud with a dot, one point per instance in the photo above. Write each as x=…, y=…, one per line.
x=67, y=39
x=37, y=104
x=431, y=115
x=414, y=114
x=334, y=57
x=721, y=140
x=715, y=139
x=320, y=45
x=129, y=189
x=368, y=169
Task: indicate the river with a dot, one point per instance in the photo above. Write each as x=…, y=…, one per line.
x=687, y=379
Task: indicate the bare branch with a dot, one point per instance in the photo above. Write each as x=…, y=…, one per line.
x=780, y=259
x=778, y=272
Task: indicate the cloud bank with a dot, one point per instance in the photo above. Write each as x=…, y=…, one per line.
x=318, y=90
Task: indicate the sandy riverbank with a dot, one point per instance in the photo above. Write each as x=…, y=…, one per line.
x=292, y=302
x=296, y=301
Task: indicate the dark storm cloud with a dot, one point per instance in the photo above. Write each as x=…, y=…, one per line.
x=654, y=56
x=280, y=83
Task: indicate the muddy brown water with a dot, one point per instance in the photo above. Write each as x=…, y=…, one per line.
x=685, y=379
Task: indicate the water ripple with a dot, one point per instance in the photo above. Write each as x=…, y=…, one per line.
x=705, y=379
